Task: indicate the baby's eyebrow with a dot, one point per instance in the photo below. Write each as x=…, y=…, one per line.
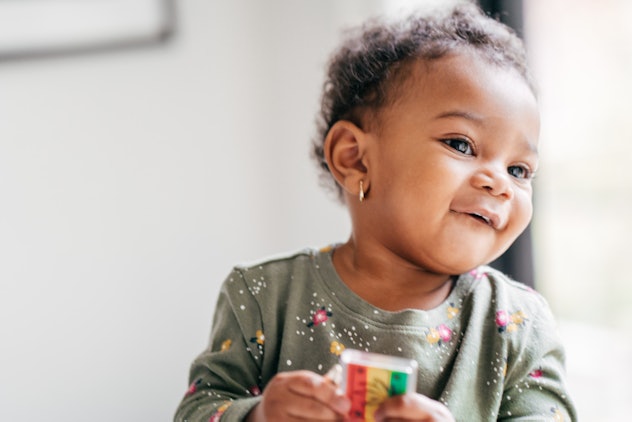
x=533, y=149
x=459, y=114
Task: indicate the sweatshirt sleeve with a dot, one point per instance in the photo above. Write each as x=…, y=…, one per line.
x=535, y=387
x=225, y=378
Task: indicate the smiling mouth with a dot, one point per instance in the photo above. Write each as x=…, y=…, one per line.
x=482, y=218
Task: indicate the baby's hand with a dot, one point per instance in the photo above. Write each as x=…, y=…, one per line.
x=300, y=395
x=413, y=407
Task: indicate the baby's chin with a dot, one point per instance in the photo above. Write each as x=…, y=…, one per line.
x=451, y=269
x=461, y=266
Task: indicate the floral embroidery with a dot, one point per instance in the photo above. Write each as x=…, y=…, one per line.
x=501, y=318
x=259, y=339
x=220, y=411
x=194, y=386
x=226, y=345
x=336, y=348
x=558, y=416
x=255, y=390
x=477, y=274
x=518, y=317
x=441, y=334
x=536, y=373
x=509, y=322
x=320, y=316
x=453, y=311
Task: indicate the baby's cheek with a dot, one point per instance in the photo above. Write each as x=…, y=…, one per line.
x=521, y=212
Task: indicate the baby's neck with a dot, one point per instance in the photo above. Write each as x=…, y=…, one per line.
x=389, y=286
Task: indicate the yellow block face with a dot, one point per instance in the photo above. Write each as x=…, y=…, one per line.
x=378, y=385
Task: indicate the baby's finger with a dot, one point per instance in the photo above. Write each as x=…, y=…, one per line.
x=320, y=389
x=413, y=407
x=335, y=374
x=305, y=408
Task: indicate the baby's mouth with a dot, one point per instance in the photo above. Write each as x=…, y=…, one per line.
x=481, y=214
x=482, y=218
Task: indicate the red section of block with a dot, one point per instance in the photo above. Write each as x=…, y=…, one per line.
x=356, y=390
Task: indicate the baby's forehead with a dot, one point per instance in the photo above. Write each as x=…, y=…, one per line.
x=455, y=85
x=418, y=74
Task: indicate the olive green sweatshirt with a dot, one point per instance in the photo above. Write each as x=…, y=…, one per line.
x=489, y=352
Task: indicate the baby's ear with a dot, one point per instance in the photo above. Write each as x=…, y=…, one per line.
x=345, y=152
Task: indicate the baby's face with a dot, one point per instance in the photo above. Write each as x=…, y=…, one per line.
x=451, y=165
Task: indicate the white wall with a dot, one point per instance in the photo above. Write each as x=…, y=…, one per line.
x=131, y=182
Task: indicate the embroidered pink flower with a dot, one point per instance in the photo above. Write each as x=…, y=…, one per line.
x=445, y=334
x=510, y=322
x=477, y=274
x=440, y=334
x=193, y=387
x=502, y=318
x=255, y=390
x=536, y=373
x=321, y=315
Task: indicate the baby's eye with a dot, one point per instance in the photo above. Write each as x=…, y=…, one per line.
x=461, y=145
x=520, y=172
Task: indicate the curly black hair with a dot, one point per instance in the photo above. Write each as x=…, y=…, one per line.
x=363, y=74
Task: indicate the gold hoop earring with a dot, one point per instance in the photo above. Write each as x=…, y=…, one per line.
x=361, y=194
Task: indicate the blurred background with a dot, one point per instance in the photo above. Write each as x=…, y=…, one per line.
x=147, y=146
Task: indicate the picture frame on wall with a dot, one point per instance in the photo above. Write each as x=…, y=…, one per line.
x=30, y=28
